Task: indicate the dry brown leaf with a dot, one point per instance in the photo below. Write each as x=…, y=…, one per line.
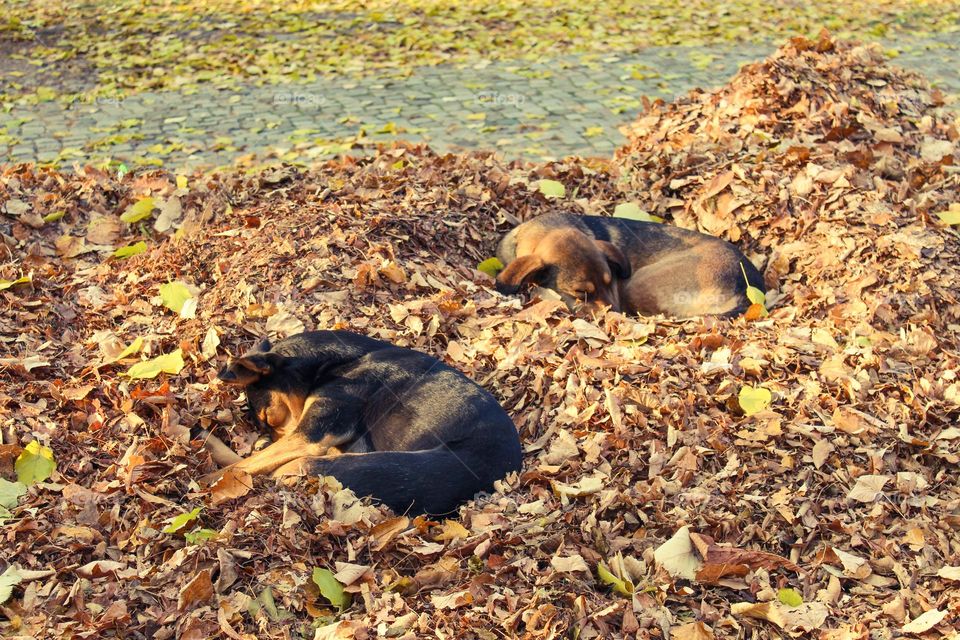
x=234, y=483
x=199, y=590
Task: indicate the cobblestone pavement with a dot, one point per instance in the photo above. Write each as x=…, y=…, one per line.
x=557, y=108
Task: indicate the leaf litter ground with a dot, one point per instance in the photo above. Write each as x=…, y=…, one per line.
x=650, y=505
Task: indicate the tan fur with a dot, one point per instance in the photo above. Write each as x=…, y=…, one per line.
x=631, y=266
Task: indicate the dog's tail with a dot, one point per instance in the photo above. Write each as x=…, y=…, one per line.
x=434, y=481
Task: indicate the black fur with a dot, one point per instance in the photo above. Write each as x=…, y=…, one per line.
x=421, y=436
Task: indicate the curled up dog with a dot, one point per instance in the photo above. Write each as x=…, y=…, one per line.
x=627, y=265
x=387, y=422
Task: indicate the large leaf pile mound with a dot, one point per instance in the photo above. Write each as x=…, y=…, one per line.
x=791, y=476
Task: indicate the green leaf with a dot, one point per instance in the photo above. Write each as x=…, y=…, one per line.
x=35, y=464
x=181, y=521
x=551, y=188
x=331, y=589
x=130, y=250
x=266, y=603
x=790, y=597
x=200, y=535
x=139, y=210
x=8, y=580
x=756, y=296
x=53, y=217
x=491, y=267
x=952, y=215
x=174, y=295
x=754, y=399
x=6, y=284
x=623, y=587
x=10, y=492
x=171, y=363
x=632, y=211
x=122, y=170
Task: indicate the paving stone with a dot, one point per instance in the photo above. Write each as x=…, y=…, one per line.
x=568, y=94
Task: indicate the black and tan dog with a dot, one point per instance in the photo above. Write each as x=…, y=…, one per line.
x=387, y=422
x=628, y=265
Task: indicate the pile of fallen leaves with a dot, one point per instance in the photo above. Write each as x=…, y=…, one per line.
x=698, y=479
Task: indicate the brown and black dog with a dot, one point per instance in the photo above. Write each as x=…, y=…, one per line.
x=628, y=265
x=387, y=422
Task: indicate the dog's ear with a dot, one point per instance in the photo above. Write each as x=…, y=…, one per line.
x=618, y=262
x=522, y=270
x=250, y=368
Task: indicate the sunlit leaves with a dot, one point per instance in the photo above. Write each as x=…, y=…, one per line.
x=171, y=363
x=677, y=556
x=8, y=580
x=181, y=521
x=790, y=597
x=491, y=267
x=174, y=295
x=132, y=348
x=6, y=284
x=620, y=585
x=632, y=211
x=10, y=493
x=35, y=464
x=551, y=188
x=452, y=530
x=139, y=210
x=952, y=215
x=131, y=250
x=757, y=298
x=754, y=399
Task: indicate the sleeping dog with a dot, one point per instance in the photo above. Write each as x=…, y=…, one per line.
x=628, y=265
x=387, y=422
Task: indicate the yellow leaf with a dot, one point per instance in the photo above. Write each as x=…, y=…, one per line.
x=6, y=284
x=491, y=267
x=130, y=250
x=134, y=347
x=34, y=464
x=174, y=295
x=790, y=597
x=139, y=210
x=632, y=211
x=754, y=399
x=170, y=363
x=952, y=215
x=551, y=188
x=452, y=530
x=181, y=182
x=621, y=586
